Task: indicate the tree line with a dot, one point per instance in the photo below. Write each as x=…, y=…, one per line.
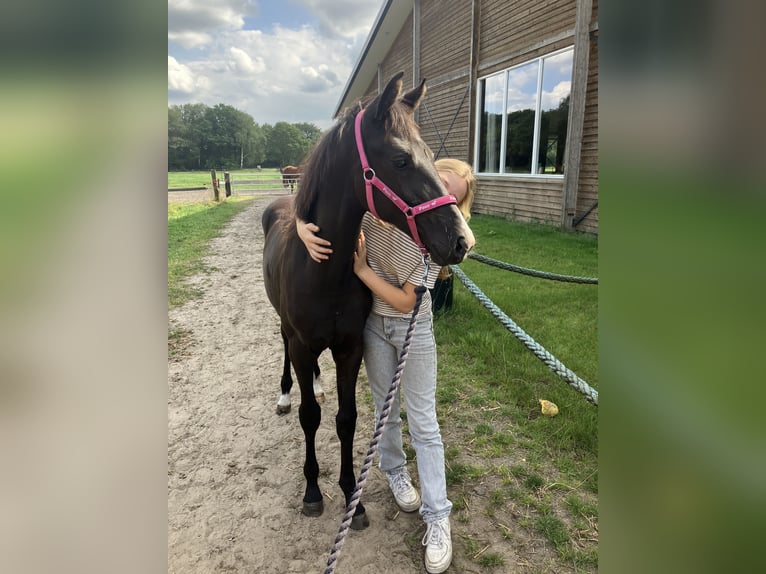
x=223, y=137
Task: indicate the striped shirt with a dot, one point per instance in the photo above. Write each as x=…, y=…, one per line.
x=392, y=255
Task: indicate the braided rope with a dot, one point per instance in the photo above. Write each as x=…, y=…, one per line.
x=552, y=362
x=532, y=272
x=345, y=524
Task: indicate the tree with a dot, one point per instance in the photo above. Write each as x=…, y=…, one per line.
x=198, y=132
x=223, y=137
x=224, y=125
x=187, y=136
x=178, y=146
x=285, y=145
x=244, y=127
x=255, y=153
x=309, y=131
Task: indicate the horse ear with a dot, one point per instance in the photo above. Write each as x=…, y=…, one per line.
x=389, y=96
x=413, y=97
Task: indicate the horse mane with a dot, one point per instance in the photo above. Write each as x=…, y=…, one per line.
x=336, y=140
x=317, y=164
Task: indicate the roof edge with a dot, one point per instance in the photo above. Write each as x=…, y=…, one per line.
x=373, y=43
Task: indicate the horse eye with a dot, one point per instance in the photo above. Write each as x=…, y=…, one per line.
x=400, y=162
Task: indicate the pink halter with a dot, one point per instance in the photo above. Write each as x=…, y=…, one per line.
x=370, y=180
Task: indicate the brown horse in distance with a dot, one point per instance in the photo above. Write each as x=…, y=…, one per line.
x=291, y=175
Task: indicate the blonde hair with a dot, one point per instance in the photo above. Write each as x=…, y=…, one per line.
x=464, y=171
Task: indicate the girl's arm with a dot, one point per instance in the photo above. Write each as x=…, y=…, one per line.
x=318, y=248
x=400, y=298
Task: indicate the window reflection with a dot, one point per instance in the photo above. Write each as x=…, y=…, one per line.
x=491, y=104
x=554, y=107
x=524, y=113
x=522, y=102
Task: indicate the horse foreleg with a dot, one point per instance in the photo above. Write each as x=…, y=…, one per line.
x=347, y=366
x=310, y=415
x=284, y=404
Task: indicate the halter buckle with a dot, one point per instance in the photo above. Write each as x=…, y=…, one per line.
x=426, y=263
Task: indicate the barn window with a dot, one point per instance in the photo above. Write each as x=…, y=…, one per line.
x=523, y=113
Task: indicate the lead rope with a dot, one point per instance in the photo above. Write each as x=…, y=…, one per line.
x=345, y=524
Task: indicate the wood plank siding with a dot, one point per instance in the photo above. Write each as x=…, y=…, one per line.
x=587, y=190
x=399, y=59
x=445, y=60
x=506, y=34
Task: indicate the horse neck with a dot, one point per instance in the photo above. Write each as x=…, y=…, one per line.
x=339, y=219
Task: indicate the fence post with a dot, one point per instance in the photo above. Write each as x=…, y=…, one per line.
x=216, y=192
x=227, y=183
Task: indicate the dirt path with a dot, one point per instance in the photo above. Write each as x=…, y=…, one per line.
x=235, y=479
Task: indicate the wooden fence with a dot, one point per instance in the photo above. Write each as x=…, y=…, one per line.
x=255, y=183
x=237, y=183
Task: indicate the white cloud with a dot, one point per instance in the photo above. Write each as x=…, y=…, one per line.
x=561, y=63
x=190, y=39
x=192, y=22
x=553, y=98
x=243, y=63
x=344, y=18
x=318, y=79
x=181, y=79
x=288, y=73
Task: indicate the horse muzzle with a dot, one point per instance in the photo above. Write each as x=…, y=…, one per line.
x=452, y=247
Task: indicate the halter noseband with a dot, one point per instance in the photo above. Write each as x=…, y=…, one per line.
x=370, y=180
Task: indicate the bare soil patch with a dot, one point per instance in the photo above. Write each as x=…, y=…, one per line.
x=190, y=195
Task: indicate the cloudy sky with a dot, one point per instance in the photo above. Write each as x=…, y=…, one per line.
x=278, y=60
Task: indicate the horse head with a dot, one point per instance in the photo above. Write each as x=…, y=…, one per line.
x=400, y=161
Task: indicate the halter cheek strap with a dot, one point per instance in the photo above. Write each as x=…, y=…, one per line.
x=370, y=180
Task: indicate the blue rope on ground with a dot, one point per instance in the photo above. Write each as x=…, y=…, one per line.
x=552, y=362
x=532, y=272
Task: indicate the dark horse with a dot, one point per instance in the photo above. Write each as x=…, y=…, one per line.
x=290, y=176
x=325, y=305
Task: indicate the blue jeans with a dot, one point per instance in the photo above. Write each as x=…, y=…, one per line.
x=383, y=339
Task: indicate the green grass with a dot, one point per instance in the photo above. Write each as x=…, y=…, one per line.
x=190, y=228
x=545, y=469
x=189, y=179
x=483, y=364
x=552, y=528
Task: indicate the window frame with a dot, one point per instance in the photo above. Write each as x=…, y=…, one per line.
x=504, y=129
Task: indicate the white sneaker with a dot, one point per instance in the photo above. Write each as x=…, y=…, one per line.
x=438, y=543
x=404, y=493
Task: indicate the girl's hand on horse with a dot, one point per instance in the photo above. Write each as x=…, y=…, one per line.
x=318, y=248
x=360, y=255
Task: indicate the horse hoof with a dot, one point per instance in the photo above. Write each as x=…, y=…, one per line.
x=283, y=410
x=360, y=521
x=319, y=397
x=313, y=508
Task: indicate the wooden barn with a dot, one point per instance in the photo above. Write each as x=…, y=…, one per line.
x=512, y=89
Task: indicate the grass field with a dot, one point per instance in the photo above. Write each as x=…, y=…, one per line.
x=542, y=469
